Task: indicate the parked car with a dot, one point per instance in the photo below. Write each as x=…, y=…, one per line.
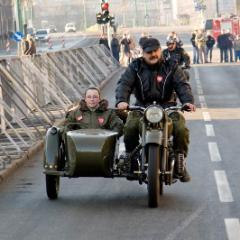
x=31, y=31
x=42, y=35
x=70, y=27
x=52, y=29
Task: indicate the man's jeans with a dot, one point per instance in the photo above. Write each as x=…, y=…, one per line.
x=209, y=52
x=195, y=55
x=223, y=54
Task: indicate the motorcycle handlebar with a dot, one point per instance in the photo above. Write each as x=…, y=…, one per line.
x=172, y=108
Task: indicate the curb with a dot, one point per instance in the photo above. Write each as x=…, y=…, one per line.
x=4, y=174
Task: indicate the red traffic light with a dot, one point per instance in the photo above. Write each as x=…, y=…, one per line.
x=104, y=6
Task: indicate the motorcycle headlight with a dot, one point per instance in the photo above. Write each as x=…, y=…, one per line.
x=154, y=114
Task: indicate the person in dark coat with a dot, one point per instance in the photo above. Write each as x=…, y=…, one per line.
x=230, y=40
x=152, y=79
x=195, y=49
x=103, y=40
x=222, y=43
x=115, y=47
x=210, y=43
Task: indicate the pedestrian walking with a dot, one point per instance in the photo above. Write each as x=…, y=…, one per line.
x=222, y=44
x=24, y=46
x=125, y=50
x=230, y=39
x=195, y=49
x=201, y=45
x=115, y=47
x=31, y=46
x=209, y=46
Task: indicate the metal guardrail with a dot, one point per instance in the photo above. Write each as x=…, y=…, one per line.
x=36, y=90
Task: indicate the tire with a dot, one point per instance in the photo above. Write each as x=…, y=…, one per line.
x=154, y=188
x=52, y=186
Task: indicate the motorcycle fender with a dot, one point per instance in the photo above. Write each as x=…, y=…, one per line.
x=154, y=136
x=52, y=143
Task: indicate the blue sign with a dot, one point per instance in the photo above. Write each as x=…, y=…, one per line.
x=17, y=36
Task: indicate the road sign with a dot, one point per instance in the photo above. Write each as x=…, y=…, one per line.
x=17, y=36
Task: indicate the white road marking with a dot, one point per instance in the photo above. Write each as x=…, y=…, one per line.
x=233, y=228
x=214, y=152
x=202, y=101
x=210, y=130
x=206, y=117
x=196, y=73
x=183, y=224
x=224, y=190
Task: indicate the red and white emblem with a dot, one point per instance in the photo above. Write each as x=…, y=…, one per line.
x=79, y=118
x=159, y=78
x=100, y=120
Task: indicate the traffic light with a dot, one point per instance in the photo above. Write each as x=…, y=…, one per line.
x=103, y=17
x=105, y=6
x=105, y=9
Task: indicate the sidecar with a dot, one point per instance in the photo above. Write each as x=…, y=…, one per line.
x=80, y=153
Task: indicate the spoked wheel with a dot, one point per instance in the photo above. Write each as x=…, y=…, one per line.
x=155, y=186
x=52, y=186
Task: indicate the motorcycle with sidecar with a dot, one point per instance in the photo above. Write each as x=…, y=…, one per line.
x=95, y=153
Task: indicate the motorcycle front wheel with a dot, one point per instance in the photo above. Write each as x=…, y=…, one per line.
x=154, y=188
x=52, y=186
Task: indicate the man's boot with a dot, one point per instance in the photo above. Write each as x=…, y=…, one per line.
x=182, y=172
x=132, y=166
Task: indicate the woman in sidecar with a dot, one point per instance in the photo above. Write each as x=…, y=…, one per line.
x=85, y=145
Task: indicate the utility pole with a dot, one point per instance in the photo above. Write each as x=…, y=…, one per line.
x=123, y=12
x=84, y=15
x=136, y=13
x=146, y=13
x=217, y=8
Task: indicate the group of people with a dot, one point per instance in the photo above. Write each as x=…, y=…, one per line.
x=28, y=45
x=203, y=44
x=227, y=44
x=122, y=49
x=151, y=78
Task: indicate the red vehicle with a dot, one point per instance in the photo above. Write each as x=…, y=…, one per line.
x=216, y=25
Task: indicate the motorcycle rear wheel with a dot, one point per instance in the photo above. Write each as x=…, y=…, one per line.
x=154, y=188
x=52, y=186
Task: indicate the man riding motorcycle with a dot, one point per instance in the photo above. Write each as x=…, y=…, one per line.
x=175, y=54
x=154, y=80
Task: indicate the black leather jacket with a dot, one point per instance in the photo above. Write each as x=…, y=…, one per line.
x=179, y=55
x=139, y=78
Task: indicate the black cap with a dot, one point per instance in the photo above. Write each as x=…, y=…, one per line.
x=150, y=44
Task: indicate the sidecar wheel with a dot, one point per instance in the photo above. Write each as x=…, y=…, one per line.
x=52, y=186
x=153, y=176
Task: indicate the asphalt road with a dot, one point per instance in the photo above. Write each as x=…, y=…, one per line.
x=207, y=208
